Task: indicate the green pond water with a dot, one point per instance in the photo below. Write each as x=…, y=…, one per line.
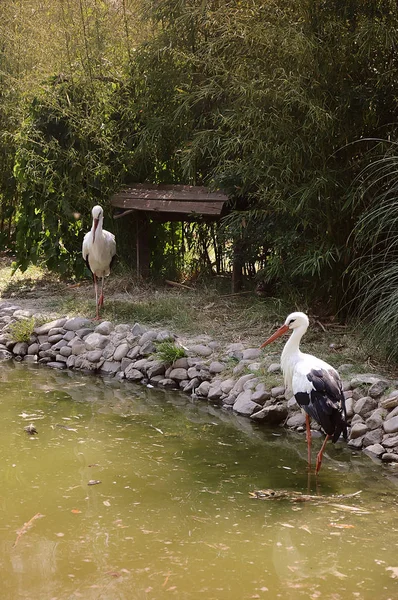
x=172, y=516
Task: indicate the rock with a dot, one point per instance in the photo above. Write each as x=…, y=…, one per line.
x=250, y=384
x=254, y=367
x=70, y=362
x=229, y=401
x=376, y=449
x=94, y=356
x=227, y=385
x=238, y=387
x=274, y=414
x=193, y=372
x=243, y=404
x=376, y=419
x=95, y=341
x=142, y=364
x=201, y=350
x=60, y=344
x=77, y=346
x=33, y=348
x=215, y=391
x=133, y=374
x=110, y=367
x=69, y=335
x=365, y=378
x=125, y=363
x=59, y=358
x=236, y=347
x=56, y=365
x=389, y=457
x=44, y=329
x=178, y=374
x=274, y=368
x=261, y=396
x=53, y=339
x=355, y=444
x=30, y=358
x=108, y=351
x=203, y=389
x=167, y=383
x=122, y=328
x=296, y=420
x=156, y=368
x=5, y=355
x=180, y=363
x=83, y=332
x=392, y=414
x=349, y=406
x=251, y=353
x=278, y=391
x=148, y=348
x=378, y=388
x=165, y=336
x=357, y=419
x=65, y=351
x=121, y=352
x=391, y=401
x=104, y=328
x=148, y=336
x=364, y=406
x=391, y=425
x=134, y=352
x=373, y=437
x=358, y=430
x=20, y=348
x=192, y=385
x=137, y=329
x=292, y=404
x=390, y=442
x=75, y=324
x=216, y=367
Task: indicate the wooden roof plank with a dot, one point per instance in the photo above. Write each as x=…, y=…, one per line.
x=169, y=206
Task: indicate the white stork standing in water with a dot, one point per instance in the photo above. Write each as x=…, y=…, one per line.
x=315, y=384
x=99, y=249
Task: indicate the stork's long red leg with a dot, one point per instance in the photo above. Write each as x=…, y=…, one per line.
x=96, y=297
x=101, y=299
x=320, y=454
x=308, y=430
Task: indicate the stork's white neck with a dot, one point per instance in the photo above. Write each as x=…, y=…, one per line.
x=98, y=231
x=291, y=354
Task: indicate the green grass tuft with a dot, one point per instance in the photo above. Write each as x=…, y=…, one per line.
x=168, y=352
x=22, y=330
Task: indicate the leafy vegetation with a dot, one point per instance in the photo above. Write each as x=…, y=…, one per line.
x=168, y=352
x=21, y=331
x=275, y=103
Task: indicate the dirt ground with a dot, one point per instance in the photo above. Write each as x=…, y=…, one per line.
x=190, y=312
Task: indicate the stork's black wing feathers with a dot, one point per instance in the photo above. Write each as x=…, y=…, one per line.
x=325, y=402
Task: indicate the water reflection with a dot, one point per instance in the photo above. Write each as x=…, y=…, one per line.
x=169, y=514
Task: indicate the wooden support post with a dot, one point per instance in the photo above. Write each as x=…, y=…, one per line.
x=143, y=249
x=237, y=266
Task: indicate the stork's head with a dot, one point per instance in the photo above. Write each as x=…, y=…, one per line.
x=98, y=215
x=293, y=321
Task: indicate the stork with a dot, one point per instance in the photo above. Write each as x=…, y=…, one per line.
x=99, y=249
x=315, y=385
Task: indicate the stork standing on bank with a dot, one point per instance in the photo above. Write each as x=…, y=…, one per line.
x=315, y=384
x=99, y=249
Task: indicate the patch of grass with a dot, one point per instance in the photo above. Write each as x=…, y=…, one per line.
x=21, y=331
x=168, y=352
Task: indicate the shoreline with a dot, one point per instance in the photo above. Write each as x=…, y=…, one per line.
x=247, y=381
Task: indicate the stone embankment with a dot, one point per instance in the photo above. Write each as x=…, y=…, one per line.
x=233, y=377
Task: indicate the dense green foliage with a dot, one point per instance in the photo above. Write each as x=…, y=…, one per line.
x=274, y=102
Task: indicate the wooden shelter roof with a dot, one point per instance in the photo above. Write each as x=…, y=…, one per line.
x=172, y=199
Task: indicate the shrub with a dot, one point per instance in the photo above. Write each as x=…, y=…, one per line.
x=22, y=330
x=169, y=352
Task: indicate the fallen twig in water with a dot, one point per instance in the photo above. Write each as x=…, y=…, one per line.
x=298, y=496
x=26, y=527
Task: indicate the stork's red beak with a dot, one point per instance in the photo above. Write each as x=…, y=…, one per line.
x=277, y=334
x=96, y=221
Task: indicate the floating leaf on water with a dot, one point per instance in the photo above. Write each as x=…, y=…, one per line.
x=394, y=572
x=287, y=525
x=305, y=528
x=94, y=482
x=60, y=534
x=75, y=511
x=106, y=503
x=341, y=525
